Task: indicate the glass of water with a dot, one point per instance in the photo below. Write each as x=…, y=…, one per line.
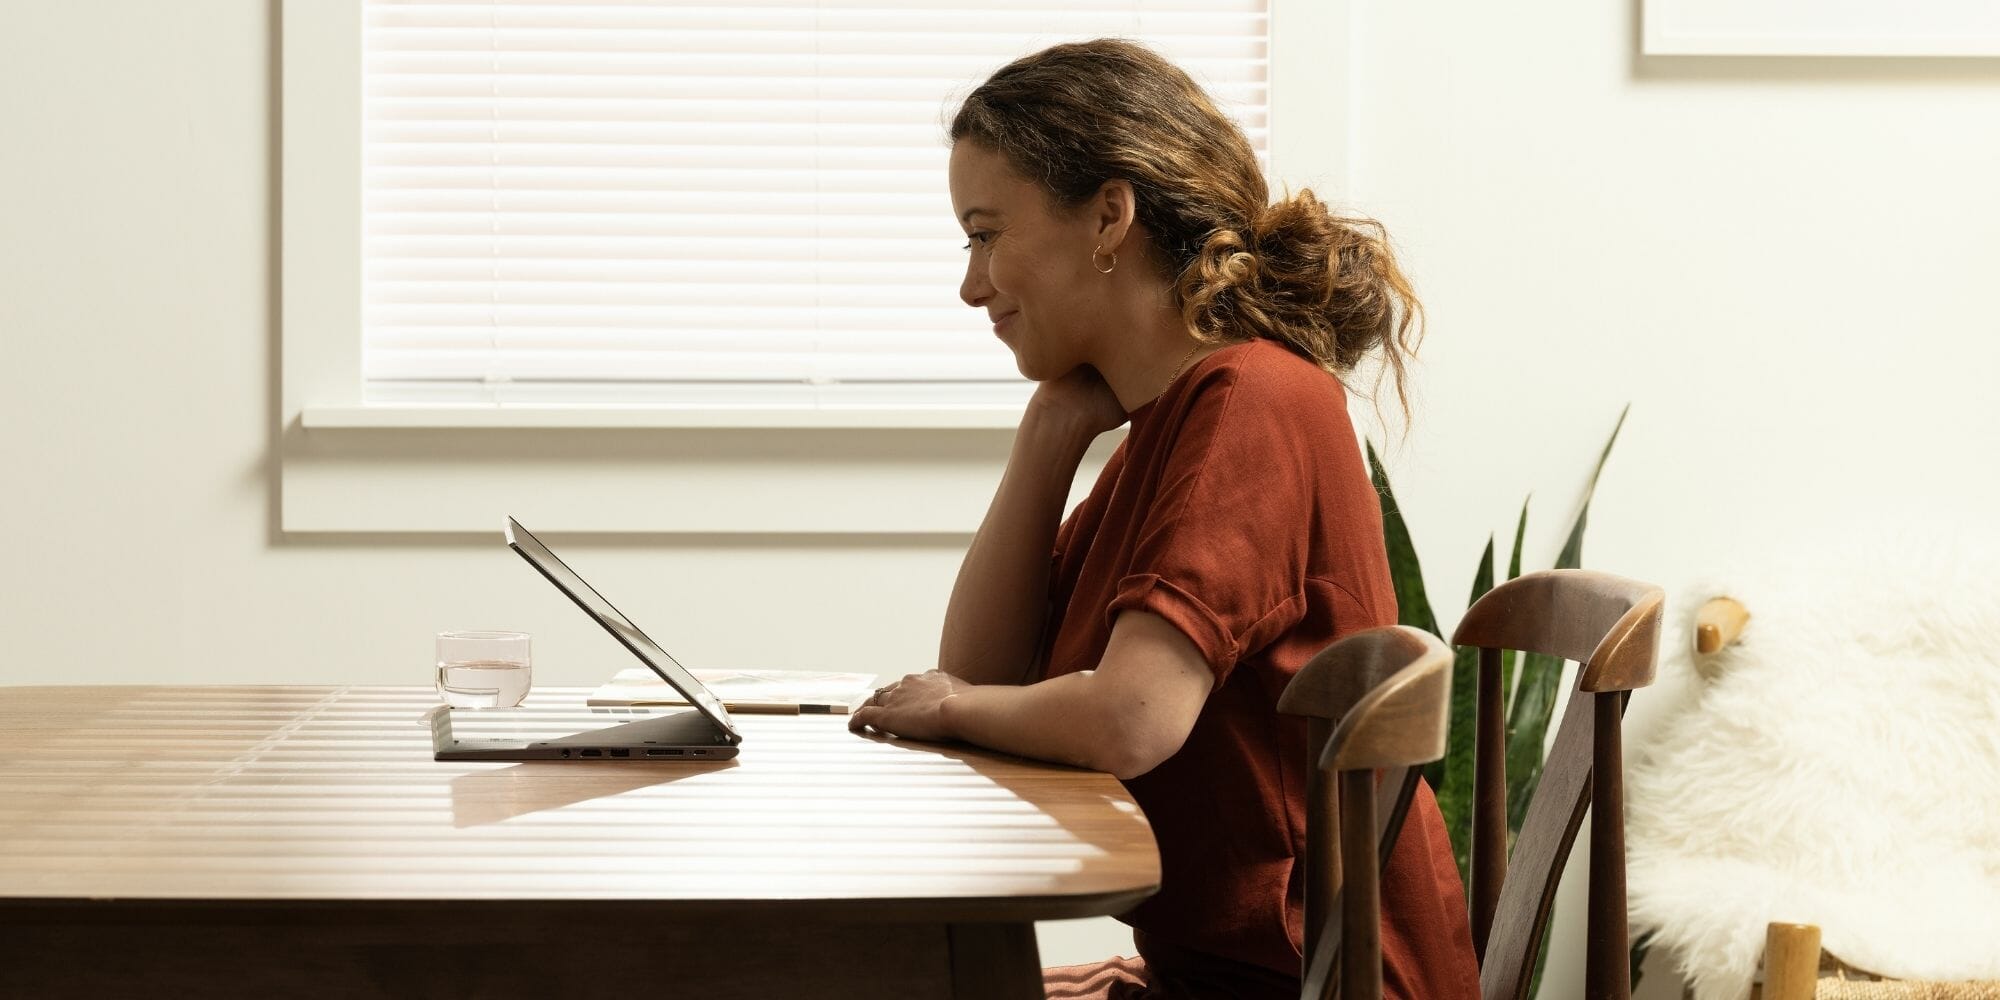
x=482, y=669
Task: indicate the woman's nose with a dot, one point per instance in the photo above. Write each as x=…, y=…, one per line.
x=974, y=289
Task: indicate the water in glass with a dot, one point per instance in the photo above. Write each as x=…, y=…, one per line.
x=482, y=683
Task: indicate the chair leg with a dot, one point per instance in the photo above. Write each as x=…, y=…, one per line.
x=1489, y=807
x=1322, y=838
x=1360, y=894
x=1607, y=968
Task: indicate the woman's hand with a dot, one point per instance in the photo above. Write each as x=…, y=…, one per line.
x=911, y=707
x=1081, y=398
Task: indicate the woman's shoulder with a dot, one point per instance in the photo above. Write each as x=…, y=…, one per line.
x=1269, y=376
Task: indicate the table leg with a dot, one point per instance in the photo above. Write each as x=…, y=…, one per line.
x=995, y=962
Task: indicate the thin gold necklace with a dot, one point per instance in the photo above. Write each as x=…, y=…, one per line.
x=1177, y=370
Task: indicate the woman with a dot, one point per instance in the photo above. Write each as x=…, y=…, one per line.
x=1121, y=241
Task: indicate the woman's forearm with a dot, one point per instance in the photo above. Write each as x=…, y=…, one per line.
x=1126, y=717
x=1059, y=720
x=993, y=624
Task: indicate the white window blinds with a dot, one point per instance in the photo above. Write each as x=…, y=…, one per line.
x=681, y=203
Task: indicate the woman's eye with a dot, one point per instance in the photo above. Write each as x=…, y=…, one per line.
x=981, y=238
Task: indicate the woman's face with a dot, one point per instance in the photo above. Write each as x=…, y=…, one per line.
x=1027, y=265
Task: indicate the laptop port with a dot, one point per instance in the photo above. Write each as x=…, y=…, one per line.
x=616, y=752
x=666, y=753
x=593, y=753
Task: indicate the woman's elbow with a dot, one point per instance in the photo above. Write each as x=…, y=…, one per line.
x=1127, y=748
x=1125, y=770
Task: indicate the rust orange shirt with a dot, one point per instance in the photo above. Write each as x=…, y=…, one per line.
x=1238, y=508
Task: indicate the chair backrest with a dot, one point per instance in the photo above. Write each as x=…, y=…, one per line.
x=1378, y=699
x=1611, y=626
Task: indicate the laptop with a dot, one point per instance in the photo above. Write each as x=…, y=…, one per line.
x=703, y=732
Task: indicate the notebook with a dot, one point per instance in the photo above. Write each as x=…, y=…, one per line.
x=807, y=692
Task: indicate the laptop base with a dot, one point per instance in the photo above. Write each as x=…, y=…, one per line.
x=681, y=736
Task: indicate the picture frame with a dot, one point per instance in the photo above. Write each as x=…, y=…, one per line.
x=1821, y=28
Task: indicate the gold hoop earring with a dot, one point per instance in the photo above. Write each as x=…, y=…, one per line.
x=1093, y=260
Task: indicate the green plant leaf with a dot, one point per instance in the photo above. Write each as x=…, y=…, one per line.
x=1406, y=575
x=1571, y=556
x=1456, y=781
x=1520, y=530
x=1413, y=606
x=1513, y=571
x=1527, y=727
x=1638, y=958
x=1541, y=675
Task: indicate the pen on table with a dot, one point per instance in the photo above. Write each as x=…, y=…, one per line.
x=758, y=707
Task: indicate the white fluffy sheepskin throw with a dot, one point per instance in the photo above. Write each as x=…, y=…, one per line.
x=1839, y=765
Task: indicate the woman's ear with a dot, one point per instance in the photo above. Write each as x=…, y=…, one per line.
x=1112, y=211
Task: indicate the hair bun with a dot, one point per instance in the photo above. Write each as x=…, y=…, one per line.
x=1232, y=257
x=1326, y=284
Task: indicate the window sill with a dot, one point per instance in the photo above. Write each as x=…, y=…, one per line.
x=461, y=416
x=459, y=469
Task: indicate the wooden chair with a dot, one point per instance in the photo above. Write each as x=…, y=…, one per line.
x=1611, y=626
x=1378, y=699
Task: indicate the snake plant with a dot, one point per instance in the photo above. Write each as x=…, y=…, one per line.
x=1529, y=687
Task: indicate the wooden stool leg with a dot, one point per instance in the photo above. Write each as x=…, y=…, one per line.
x=1791, y=961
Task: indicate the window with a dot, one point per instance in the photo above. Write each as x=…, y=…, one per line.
x=871, y=414
x=687, y=204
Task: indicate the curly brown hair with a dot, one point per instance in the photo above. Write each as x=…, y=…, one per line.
x=1074, y=116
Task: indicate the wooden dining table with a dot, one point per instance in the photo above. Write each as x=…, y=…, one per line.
x=302, y=842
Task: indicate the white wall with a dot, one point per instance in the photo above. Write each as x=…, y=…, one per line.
x=1783, y=264
x=138, y=313
x=1786, y=266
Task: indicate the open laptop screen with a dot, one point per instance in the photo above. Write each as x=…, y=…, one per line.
x=531, y=548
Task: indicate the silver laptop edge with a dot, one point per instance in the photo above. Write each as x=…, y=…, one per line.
x=523, y=541
x=706, y=732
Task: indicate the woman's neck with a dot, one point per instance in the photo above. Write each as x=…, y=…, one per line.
x=1139, y=360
